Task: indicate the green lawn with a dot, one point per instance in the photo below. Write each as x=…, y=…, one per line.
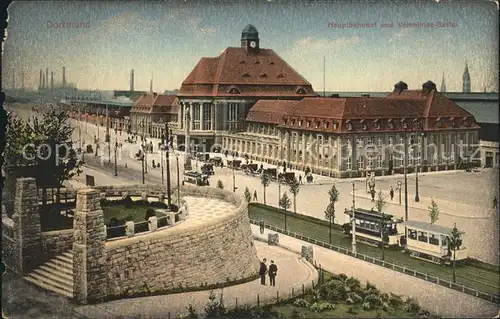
x=120, y=212
x=475, y=274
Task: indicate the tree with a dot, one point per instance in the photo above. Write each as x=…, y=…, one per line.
x=248, y=195
x=294, y=189
x=51, y=138
x=220, y=184
x=380, y=205
x=433, y=211
x=285, y=203
x=265, y=180
x=334, y=194
x=454, y=243
x=330, y=216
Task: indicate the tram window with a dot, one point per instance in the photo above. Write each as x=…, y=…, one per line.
x=444, y=241
x=412, y=234
x=433, y=240
x=422, y=236
x=357, y=222
x=362, y=223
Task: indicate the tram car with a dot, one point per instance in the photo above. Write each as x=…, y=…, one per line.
x=196, y=178
x=374, y=228
x=287, y=177
x=271, y=172
x=216, y=160
x=431, y=242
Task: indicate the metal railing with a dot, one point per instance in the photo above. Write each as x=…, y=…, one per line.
x=387, y=264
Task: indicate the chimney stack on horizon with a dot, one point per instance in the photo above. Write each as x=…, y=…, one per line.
x=132, y=80
x=51, y=81
x=47, y=78
x=64, y=77
x=40, y=80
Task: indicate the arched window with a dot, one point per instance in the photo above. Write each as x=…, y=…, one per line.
x=301, y=91
x=263, y=75
x=280, y=76
x=246, y=75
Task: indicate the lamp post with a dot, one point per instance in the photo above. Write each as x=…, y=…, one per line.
x=417, y=198
x=405, y=168
x=353, y=219
x=162, y=146
x=142, y=162
x=234, y=178
x=399, y=188
x=178, y=181
x=116, y=149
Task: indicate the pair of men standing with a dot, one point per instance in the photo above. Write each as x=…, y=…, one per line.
x=273, y=270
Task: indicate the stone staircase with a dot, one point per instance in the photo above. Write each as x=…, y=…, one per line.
x=55, y=275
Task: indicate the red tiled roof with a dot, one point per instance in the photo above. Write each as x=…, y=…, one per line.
x=319, y=114
x=254, y=74
x=267, y=111
x=155, y=103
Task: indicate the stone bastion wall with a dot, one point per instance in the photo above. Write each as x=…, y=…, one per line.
x=185, y=256
x=220, y=251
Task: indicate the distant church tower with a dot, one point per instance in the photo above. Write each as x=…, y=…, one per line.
x=443, y=85
x=466, y=79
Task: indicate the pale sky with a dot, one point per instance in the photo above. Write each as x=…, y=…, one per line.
x=165, y=39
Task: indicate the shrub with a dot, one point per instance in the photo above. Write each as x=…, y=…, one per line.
x=373, y=299
x=411, y=305
x=214, y=307
x=371, y=288
x=367, y=306
x=295, y=314
x=322, y=306
x=351, y=310
x=385, y=306
x=357, y=299
x=302, y=303
x=104, y=202
x=349, y=301
x=395, y=301
x=192, y=313
x=424, y=314
x=149, y=213
x=220, y=184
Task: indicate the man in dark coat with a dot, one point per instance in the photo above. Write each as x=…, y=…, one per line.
x=273, y=270
x=263, y=271
x=391, y=193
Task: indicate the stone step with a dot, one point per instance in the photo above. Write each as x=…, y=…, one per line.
x=60, y=273
x=68, y=254
x=60, y=265
x=66, y=259
x=55, y=275
x=58, y=283
x=49, y=284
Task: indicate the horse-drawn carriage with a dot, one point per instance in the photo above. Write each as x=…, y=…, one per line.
x=236, y=164
x=196, y=178
x=287, y=177
x=207, y=169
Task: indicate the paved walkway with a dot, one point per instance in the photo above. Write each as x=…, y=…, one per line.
x=436, y=299
x=293, y=272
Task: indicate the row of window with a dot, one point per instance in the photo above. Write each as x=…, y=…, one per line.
x=309, y=124
x=404, y=124
x=431, y=239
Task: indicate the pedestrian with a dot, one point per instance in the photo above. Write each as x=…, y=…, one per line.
x=154, y=165
x=373, y=194
x=300, y=179
x=495, y=202
x=391, y=193
x=255, y=195
x=273, y=270
x=263, y=271
x=261, y=226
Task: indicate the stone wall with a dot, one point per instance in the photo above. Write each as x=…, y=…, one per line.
x=191, y=256
x=56, y=242
x=8, y=242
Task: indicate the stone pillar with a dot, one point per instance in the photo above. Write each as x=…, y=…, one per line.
x=273, y=239
x=212, y=117
x=307, y=253
x=89, y=253
x=27, y=230
x=152, y=223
